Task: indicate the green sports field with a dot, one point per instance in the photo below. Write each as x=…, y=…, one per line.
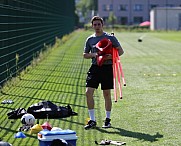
x=149, y=113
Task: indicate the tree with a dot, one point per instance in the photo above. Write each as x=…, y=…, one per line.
x=112, y=19
x=86, y=6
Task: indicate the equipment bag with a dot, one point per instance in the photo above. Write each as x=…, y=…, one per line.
x=47, y=109
x=17, y=113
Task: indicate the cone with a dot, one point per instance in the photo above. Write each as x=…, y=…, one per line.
x=100, y=60
x=35, y=129
x=47, y=126
x=105, y=47
x=20, y=135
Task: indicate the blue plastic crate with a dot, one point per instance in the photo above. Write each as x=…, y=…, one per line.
x=46, y=137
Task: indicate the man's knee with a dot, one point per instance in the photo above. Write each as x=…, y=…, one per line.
x=106, y=93
x=89, y=92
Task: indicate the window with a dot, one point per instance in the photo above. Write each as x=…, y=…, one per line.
x=124, y=20
x=153, y=6
x=107, y=7
x=169, y=5
x=123, y=7
x=138, y=20
x=138, y=7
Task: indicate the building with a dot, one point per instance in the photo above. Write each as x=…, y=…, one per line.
x=130, y=12
x=165, y=18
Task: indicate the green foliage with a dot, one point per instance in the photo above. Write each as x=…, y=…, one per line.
x=112, y=18
x=120, y=28
x=87, y=5
x=148, y=114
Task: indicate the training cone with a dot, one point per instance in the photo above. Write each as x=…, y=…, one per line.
x=47, y=126
x=87, y=120
x=100, y=60
x=105, y=47
x=20, y=135
x=35, y=129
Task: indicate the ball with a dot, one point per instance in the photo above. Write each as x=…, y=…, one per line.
x=28, y=119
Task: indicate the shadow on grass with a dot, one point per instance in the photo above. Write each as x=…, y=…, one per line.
x=15, y=131
x=38, y=99
x=138, y=135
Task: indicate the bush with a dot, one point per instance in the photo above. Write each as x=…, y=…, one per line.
x=118, y=27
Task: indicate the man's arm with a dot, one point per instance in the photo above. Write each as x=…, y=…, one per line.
x=89, y=55
x=108, y=56
x=120, y=50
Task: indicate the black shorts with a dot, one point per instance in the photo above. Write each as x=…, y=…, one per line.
x=100, y=74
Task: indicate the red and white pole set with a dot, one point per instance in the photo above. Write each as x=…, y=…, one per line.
x=117, y=74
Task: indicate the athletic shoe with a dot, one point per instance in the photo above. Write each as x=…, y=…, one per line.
x=90, y=124
x=107, y=123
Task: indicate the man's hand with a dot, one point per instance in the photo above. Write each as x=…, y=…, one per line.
x=120, y=50
x=94, y=55
x=108, y=56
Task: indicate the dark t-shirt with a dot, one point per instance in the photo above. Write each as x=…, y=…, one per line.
x=90, y=45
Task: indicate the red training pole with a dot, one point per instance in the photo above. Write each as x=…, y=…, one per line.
x=114, y=75
x=121, y=70
x=118, y=73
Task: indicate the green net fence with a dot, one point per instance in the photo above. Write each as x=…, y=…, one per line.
x=26, y=26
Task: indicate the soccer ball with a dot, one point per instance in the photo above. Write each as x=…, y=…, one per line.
x=28, y=119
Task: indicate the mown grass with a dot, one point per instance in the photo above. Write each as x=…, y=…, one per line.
x=148, y=114
x=170, y=35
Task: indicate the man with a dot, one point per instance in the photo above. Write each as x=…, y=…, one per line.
x=99, y=74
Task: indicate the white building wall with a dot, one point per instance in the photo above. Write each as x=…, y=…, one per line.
x=165, y=18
